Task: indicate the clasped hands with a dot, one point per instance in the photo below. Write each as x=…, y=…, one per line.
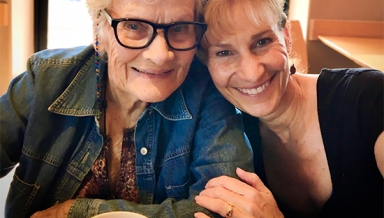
x=246, y=198
x=231, y=197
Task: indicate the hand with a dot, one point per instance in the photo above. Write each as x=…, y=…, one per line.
x=249, y=197
x=57, y=211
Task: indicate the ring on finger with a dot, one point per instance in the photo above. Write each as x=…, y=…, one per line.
x=229, y=211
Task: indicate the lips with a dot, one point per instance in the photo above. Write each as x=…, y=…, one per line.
x=256, y=90
x=152, y=72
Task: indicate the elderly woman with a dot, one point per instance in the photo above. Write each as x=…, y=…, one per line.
x=125, y=124
x=318, y=139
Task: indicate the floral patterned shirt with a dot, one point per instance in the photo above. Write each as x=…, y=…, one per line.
x=96, y=183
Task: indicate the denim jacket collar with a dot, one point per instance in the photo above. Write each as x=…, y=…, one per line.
x=79, y=98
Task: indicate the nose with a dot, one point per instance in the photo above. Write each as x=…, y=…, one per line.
x=158, y=51
x=250, y=67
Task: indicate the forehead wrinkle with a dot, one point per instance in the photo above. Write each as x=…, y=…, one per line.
x=123, y=10
x=247, y=34
x=152, y=12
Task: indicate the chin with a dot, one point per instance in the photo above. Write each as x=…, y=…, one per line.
x=258, y=110
x=153, y=98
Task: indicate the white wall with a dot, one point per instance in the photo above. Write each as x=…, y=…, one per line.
x=22, y=34
x=16, y=41
x=4, y=186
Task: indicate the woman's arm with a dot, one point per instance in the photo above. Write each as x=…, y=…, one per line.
x=379, y=153
x=14, y=112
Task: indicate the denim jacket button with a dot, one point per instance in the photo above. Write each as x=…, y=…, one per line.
x=143, y=151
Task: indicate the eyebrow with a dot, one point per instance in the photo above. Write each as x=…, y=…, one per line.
x=253, y=37
x=258, y=35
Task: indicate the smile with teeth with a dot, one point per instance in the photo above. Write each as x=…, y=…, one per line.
x=255, y=90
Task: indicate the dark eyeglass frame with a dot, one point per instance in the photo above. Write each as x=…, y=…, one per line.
x=114, y=22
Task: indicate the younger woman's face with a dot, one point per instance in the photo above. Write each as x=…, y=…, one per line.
x=249, y=65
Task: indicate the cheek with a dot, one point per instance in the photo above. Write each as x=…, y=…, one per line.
x=119, y=56
x=277, y=61
x=280, y=61
x=182, y=62
x=284, y=75
x=219, y=73
x=185, y=58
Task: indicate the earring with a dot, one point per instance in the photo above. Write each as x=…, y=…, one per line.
x=292, y=69
x=97, y=65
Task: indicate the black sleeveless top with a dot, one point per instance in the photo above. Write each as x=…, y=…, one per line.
x=350, y=108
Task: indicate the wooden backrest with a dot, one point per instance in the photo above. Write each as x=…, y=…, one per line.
x=299, y=47
x=347, y=28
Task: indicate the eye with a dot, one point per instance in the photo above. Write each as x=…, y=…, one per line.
x=133, y=26
x=263, y=42
x=178, y=28
x=223, y=53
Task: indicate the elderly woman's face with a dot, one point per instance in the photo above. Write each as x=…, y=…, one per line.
x=250, y=65
x=153, y=73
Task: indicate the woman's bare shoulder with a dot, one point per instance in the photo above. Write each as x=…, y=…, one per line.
x=307, y=82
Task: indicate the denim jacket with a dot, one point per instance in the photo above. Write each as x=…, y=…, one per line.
x=49, y=131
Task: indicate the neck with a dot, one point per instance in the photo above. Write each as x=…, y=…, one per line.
x=287, y=116
x=123, y=108
x=121, y=99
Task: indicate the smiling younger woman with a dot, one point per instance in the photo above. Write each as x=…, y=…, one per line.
x=318, y=140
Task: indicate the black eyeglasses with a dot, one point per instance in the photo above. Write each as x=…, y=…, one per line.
x=137, y=34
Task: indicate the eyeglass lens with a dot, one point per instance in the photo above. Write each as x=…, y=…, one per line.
x=138, y=34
